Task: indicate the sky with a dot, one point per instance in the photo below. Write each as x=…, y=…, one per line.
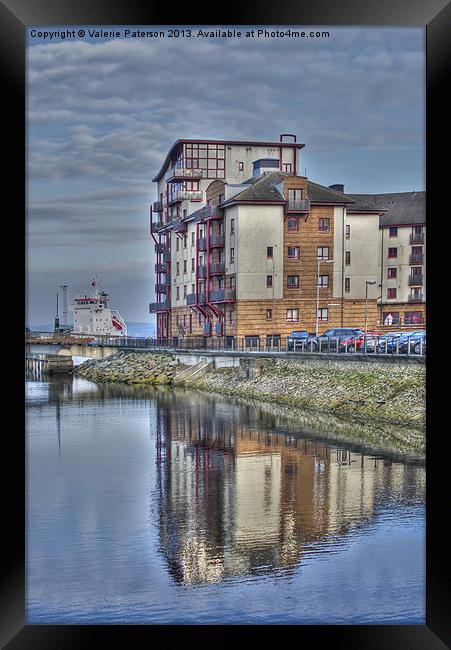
x=103, y=112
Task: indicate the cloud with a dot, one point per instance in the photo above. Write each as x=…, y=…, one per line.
x=102, y=115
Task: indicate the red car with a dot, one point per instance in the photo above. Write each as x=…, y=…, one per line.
x=353, y=344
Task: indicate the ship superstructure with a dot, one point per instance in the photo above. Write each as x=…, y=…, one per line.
x=93, y=316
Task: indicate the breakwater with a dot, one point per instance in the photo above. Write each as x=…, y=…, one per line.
x=130, y=368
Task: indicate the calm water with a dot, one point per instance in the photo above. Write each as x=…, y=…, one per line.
x=159, y=506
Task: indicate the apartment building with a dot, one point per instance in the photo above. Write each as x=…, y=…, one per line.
x=402, y=262
x=247, y=247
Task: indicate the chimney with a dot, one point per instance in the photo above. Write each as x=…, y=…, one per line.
x=337, y=187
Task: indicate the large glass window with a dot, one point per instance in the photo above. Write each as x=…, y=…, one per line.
x=208, y=158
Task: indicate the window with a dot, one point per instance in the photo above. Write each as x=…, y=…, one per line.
x=348, y=258
x=393, y=272
x=323, y=281
x=193, y=289
x=184, y=290
x=293, y=281
x=292, y=224
x=347, y=285
x=177, y=244
x=323, y=252
x=393, y=231
x=293, y=315
x=415, y=293
x=269, y=252
x=232, y=255
x=240, y=166
x=178, y=293
x=232, y=226
x=209, y=159
x=413, y=318
x=391, y=318
x=192, y=264
x=323, y=314
x=287, y=168
x=293, y=252
x=392, y=253
x=184, y=266
x=269, y=314
x=185, y=241
x=190, y=323
x=391, y=293
x=193, y=239
x=269, y=280
x=178, y=268
x=324, y=225
x=184, y=319
x=220, y=199
x=348, y=231
x=232, y=316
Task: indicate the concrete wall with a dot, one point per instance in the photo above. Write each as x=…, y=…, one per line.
x=362, y=244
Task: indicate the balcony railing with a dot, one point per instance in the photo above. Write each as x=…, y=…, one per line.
x=160, y=268
x=415, y=280
x=161, y=287
x=298, y=205
x=167, y=280
x=159, y=306
x=217, y=268
x=417, y=238
x=217, y=240
x=220, y=295
x=202, y=244
x=191, y=299
x=418, y=297
x=157, y=207
x=155, y=226
x=211, y=212
x=185, y=195
x=180, y=226
x=202, y=271
x=416, y=259
x=160, y=248
x=166, y=256
x=181, y=173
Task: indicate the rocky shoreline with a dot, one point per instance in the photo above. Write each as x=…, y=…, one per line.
x=391, y=394
x=394, y=394
x=130, y=368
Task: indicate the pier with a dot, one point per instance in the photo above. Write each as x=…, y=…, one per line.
x=48, y=364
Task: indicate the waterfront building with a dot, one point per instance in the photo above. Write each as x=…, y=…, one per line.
x=246, y=247
x=402, y=258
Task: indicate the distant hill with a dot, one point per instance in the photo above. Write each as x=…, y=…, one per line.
x=133, y=328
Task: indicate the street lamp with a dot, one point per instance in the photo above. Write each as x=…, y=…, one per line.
x=320, y=259
x=367, y=282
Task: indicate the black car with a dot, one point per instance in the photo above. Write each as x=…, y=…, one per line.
x=328, y=341
x=297, y=340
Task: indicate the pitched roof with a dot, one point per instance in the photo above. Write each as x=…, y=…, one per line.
x=263, y=188
x=401, y=207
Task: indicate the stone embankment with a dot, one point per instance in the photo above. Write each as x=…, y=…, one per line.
x=393, y=393
x=130, y=368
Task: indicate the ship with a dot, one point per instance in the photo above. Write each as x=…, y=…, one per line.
x=92, y=315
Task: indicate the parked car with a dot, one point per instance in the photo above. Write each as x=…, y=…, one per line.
x=356, y=343
x=387, y=342
x=417, y=342
x=329, y=340
x=294, y=340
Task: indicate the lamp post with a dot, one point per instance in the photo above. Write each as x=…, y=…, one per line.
x=367, y=282
x=319, y=259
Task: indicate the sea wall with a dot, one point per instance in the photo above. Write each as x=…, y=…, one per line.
x=393, y=393
x=130, y=368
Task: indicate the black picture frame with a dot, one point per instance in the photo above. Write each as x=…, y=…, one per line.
x=15, y=17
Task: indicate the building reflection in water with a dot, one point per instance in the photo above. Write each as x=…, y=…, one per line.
x=235, y=497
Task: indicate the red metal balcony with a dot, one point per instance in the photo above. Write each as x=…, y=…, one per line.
x=185, y=195
x=160, y=248
x=160, y=268
x=202, y=244
x=217, y=268
x=212, y=212
x=202, y=271
x=157, y=207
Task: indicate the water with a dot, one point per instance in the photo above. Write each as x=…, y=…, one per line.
x=161, y=506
